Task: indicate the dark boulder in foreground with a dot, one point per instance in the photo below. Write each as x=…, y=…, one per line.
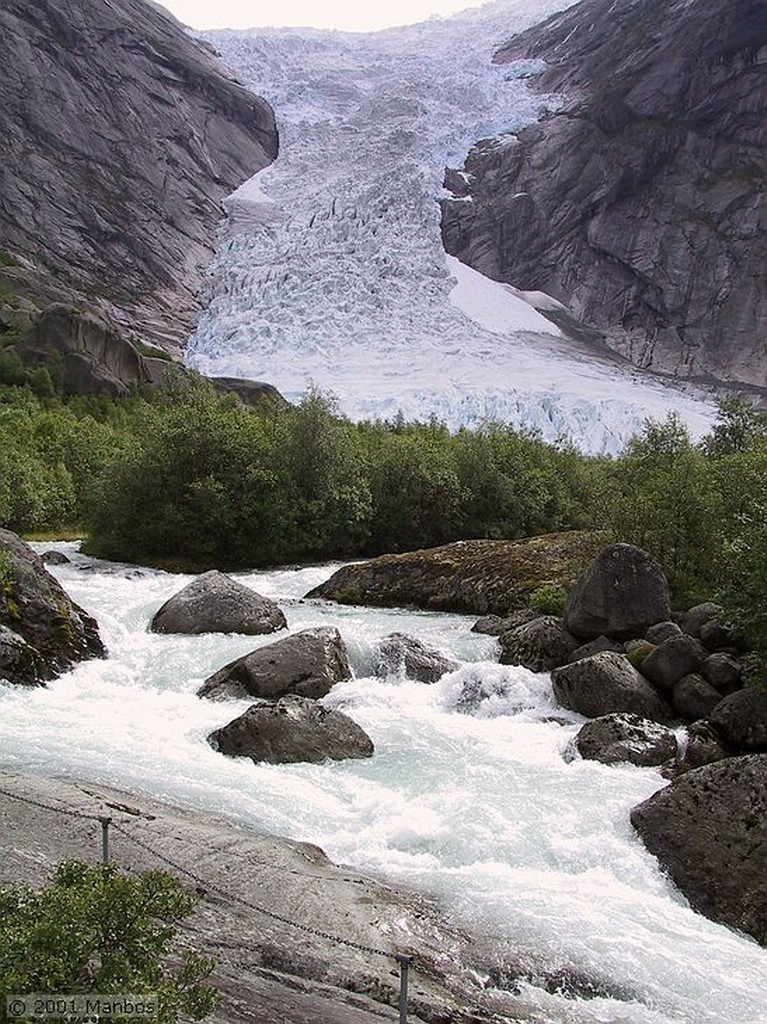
x=290, y=730
x=620, y=596
x=308, y=663
x=616, y=738
x=215, y=603
x=399, y=654
x=607, y=683
x=42, y=632
x=708, y=829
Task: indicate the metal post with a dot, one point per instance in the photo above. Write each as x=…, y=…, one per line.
x=404, y=965
x=105, y=822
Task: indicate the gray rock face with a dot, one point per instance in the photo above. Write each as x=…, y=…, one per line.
x=400, y=654
x=92, y=357
x=121, y=136
x=638, y=203
x=308, y=663
x=708, y=829
x=741, y=719
x=662, y=631
x=601, y=643
x=673, y=659
x=42, y=632
x=539, y=645
x=607, y=683
x=620, y=596
x=215, y=603
x=290, y=730
x=615, y=738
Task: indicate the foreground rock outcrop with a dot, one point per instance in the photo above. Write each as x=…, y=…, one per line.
x=636, y=202
x=708, y=829
x=215, y=603
x=267, y=971
x=42, y=631
x=121, y=136
x=472, y=576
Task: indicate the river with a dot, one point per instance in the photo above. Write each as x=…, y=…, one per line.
x=468, y=795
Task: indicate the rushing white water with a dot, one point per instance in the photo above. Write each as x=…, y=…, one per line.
x=332, y=271
x=468, y=795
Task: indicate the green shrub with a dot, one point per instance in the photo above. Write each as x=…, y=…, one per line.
x=97, y=930
x=548, y=599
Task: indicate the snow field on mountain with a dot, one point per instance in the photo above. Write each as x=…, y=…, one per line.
x=331, y=270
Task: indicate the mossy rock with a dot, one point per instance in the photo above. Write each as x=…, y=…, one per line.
x=477, y=577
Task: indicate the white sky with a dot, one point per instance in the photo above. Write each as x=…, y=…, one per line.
x=351, y=15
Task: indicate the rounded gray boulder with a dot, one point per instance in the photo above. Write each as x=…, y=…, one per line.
x=539, y=645
x=741, y=719
x=307, y=663
x=607, y=683
x=290, y=730
x=215, y=603
x=620, y=596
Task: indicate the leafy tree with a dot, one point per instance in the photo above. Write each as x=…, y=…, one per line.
x=664, y=499
x=97, y=930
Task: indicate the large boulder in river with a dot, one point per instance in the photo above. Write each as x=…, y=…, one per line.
x=478, y=577
x=308, y=663
x=292, y=729
x=399, y=654
x=620, y=596
x=215, y=603
x=708, y=829
x=42, y=632
x=617, y=738
x=607, y=683
x=539, y=645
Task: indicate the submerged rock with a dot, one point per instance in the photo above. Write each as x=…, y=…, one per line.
x=708, y=830
x=615, y=738
x=215, y=603
x=42, y=632
x=399, y=654
x=307, y=663
x=292, y=729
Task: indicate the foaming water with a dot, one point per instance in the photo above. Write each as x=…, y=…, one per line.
x=468, y=795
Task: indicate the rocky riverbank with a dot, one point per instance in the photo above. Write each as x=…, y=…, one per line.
x=268, y=971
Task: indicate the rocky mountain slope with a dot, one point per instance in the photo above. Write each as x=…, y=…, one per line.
x=640, y=202
x=121, y=135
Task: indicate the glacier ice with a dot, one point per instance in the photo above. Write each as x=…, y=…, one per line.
x=330, y=270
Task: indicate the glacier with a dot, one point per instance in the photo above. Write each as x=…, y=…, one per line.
x=330, y=270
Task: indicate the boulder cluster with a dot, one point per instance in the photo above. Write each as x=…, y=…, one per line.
x=619, y=657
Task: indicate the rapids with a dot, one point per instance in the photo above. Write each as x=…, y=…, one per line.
x=468, y=796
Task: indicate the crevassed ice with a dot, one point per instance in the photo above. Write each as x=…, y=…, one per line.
x=331, y=269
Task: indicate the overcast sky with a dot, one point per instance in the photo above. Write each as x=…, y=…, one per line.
x=351, y=15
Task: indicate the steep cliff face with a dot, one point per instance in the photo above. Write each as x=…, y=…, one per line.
x=120, y=137
x=640, y=202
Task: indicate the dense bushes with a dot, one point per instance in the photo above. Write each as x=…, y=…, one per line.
x=193, y=479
